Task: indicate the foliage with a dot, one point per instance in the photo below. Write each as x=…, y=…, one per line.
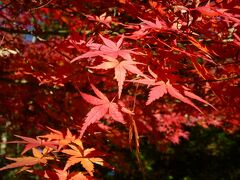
x=159, y=69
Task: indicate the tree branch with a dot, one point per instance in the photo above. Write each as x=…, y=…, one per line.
x=35, y=33
x=211, y=80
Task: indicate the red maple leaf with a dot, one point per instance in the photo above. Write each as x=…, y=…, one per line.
x=32, y=143
x=160, y=88
x=158, y=25
x=109, y=48
x=121, y=68
x=102, y=107
x=103, y=18
x=209, y=10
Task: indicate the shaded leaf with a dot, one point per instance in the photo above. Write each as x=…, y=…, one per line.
x=27, y=160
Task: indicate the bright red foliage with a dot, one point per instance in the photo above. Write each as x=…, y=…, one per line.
x=54, y=52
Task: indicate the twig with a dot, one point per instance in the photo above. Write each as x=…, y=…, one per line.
x=41, y=6
x=24, y=31
x=210, y=80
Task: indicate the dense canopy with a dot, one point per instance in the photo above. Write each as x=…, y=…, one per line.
x=120, y=88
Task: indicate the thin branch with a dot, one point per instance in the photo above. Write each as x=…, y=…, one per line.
x=211, y=80
x=41, y=6
x=1, y=42
x=59, y=52
x=5, y=6
x=24, y=31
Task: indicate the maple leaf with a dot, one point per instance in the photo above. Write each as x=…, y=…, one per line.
x=210, y=11
x=156, y=92
x=28, y=160
x=32, y=143
x=138, y=34
x=62, y=139
x=77, y=176
x=175, y=137
x=109, y=48
x=121, y=69
x=61, y=174
x=64, y=175
x=79, y=155
x=158, y=25
x=103, y=18
x=102, y=107
x=175, y=93
x=194, y=96
x=207, y=10
x=199, y=45
x=147, y=81
x=160, y=88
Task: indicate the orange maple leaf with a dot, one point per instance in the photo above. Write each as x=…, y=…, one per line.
x=26, y=161
x=62, y=139
x=64, y=175
x=79, y=155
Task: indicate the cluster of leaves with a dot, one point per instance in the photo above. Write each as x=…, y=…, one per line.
x=51, y=151
x=156, y=67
